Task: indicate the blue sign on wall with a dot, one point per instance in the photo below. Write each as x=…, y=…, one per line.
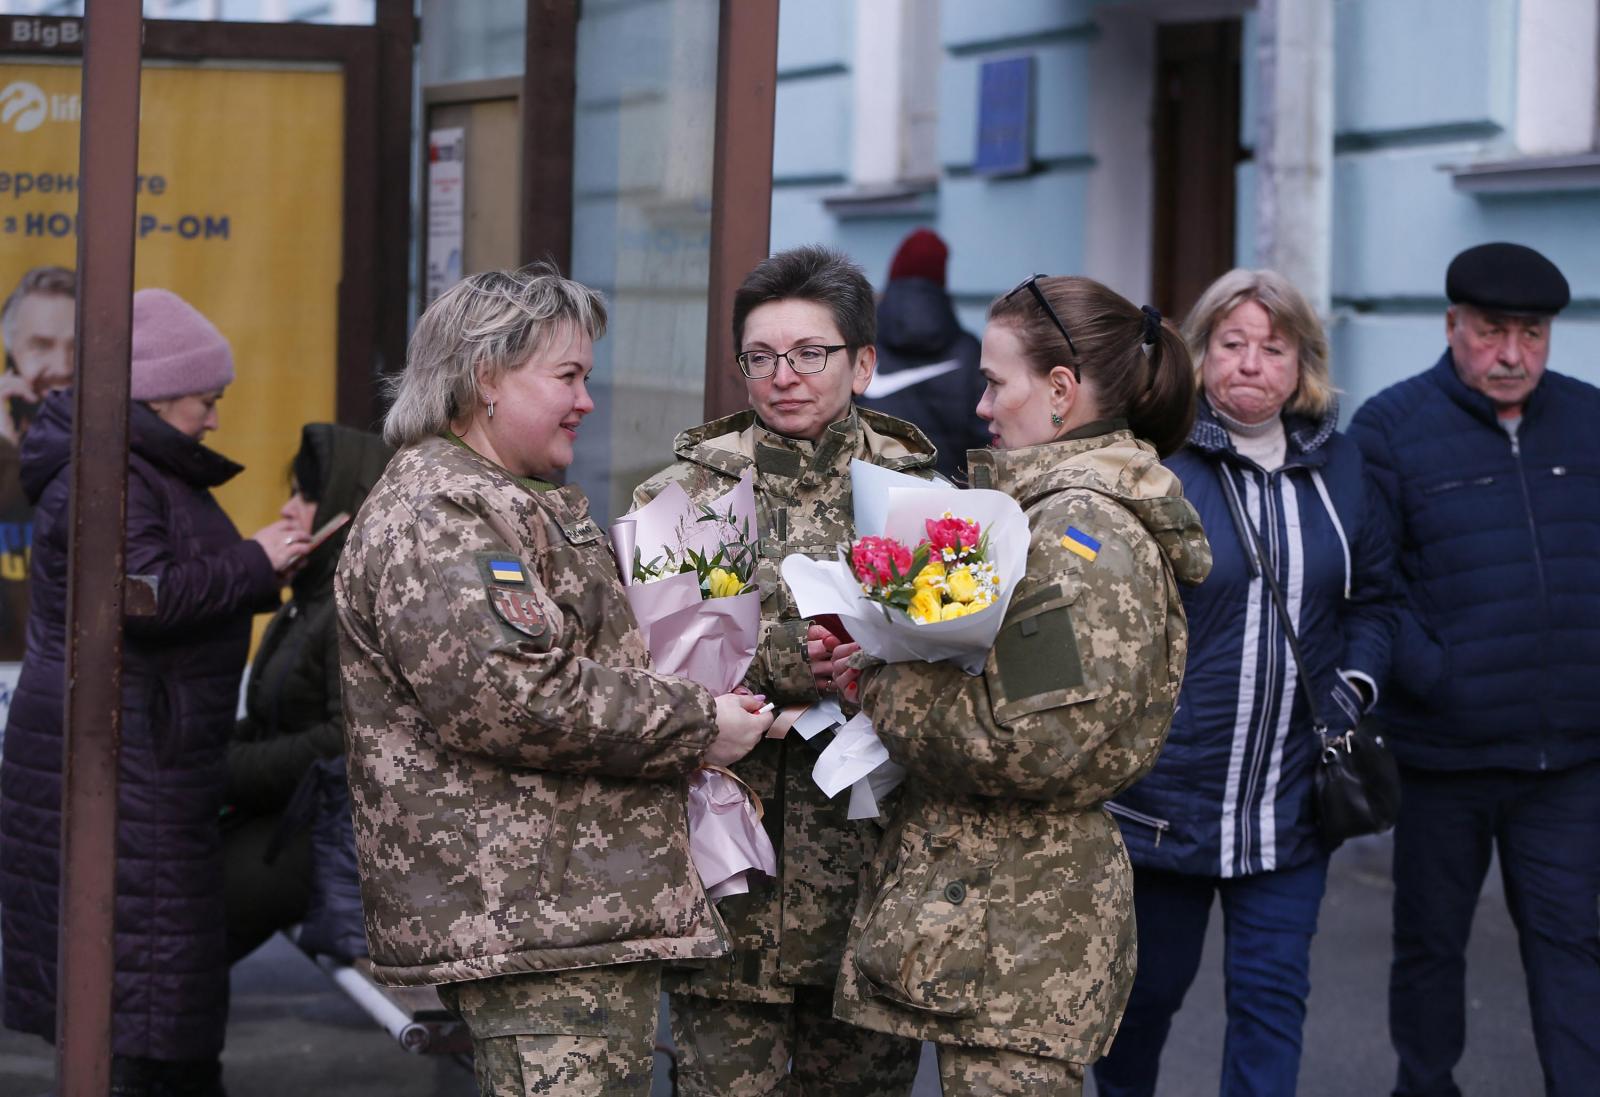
x=1005, y=109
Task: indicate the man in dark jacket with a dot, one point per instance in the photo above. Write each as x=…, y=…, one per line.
x=927, y=365
x=1489, y=470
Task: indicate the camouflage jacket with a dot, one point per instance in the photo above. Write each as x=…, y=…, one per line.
x=515, y=767
x=999, y=910
x=790, y=931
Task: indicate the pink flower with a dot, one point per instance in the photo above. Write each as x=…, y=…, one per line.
x=953, y=535
x=879, y=561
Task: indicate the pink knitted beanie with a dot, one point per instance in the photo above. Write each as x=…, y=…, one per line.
x=176, y=351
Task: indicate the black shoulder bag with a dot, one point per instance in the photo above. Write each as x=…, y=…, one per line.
x=1357, y=779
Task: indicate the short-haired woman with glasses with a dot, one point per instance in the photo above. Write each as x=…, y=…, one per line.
x=804, y=325
x=1227, y=813
x=516, y=768
x=998, y=917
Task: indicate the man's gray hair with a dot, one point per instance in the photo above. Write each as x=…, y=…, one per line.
x=48, y=281
x=488, y=323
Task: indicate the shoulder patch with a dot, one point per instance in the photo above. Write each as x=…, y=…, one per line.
x=521, y=610
x=501, y=569
x=1080, y=543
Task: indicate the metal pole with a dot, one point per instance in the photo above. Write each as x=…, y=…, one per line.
x=108, y=159
x=741, y=180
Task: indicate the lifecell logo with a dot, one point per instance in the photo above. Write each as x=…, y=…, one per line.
x=23, y=106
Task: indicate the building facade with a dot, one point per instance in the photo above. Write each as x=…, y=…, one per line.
x=1435, y=125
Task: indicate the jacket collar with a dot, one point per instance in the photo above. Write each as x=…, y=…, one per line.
x=1476, y=403
x=173, y=451
x=740, y=442
x=1306, y=437
x=1032, y=472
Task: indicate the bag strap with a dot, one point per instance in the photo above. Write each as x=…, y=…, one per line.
x=1256, y=555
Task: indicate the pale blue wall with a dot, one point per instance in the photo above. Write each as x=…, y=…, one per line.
x=1420, y=85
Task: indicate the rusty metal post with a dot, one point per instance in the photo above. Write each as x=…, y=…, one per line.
x=108, y=159
x=741, y=180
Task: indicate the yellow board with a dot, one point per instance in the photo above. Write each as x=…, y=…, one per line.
x=239, y=212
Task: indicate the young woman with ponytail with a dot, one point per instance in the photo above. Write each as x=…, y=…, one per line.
x=997, y=918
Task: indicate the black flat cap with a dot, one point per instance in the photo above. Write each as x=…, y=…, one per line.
x=1506, y=278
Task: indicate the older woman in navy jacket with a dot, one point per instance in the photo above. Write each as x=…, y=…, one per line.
x=1228, y=808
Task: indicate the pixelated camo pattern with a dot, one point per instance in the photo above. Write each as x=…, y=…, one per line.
x=515, y=766
x=790, y=932
x=999, y=912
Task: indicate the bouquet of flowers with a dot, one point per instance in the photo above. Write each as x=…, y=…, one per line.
x=943, y=599
x=948, y=574
x=688, y=572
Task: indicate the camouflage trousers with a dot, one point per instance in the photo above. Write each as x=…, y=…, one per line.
x=756, y=1049
x=992, y=1072
x=589, y=1032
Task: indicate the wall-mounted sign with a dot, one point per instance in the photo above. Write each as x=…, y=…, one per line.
x=1005, y=117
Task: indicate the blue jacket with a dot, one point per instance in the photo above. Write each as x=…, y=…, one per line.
x=1498, y=654
x=1231, y=792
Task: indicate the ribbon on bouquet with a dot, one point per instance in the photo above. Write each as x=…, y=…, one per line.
x=857, y=760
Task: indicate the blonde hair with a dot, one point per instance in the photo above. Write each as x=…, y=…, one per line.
x=1292, y=317
x=490, y=322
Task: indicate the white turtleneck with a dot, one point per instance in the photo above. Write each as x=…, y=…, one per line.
x=1264, y=443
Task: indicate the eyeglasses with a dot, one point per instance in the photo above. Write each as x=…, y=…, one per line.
x=810, y=358
x=1031, y=284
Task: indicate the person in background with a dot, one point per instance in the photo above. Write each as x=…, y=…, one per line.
x=517, y=770
x=762, y=1020
x=1228, y=810
x=36, y=322
x=927, y=370
x=1487, y=467
x=294, y=719
x=180, y=689
x=997, y=919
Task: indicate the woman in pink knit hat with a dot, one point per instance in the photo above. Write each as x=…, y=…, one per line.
x=180, y=682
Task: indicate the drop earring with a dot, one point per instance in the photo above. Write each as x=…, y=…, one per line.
x=491, y=408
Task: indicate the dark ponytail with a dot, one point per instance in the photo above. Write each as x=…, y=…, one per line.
x=1151, y=385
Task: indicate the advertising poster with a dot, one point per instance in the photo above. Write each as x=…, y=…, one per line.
x=239, y=198
x=447, y=159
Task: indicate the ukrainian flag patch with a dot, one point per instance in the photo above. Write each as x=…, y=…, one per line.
x=1077, y=541
x=506, y=571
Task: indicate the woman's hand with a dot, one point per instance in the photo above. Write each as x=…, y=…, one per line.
x=742, y=719
x=826, y=651
x=284, y=543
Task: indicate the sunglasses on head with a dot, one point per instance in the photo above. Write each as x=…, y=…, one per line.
x=1031, y=284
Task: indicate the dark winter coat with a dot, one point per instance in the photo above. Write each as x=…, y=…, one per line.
x=1499, y=547
x=1232, y=792
x=928, y=371
x=292, y=712
x=181, y=672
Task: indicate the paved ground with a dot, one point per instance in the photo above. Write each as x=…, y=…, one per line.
x=292, y=1033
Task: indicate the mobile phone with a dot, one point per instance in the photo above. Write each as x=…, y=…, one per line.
x=329, y=528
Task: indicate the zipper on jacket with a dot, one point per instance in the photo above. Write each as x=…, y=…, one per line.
x=1538, y=567
x=1160, y=826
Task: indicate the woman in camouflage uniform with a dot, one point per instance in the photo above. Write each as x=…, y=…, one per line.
x=999, y=917
x=804, y=323
x=515, y=766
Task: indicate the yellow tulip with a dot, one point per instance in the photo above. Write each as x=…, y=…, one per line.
x=930, y=575
x=723, y=583
x=925, y=606
x=962, y=586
